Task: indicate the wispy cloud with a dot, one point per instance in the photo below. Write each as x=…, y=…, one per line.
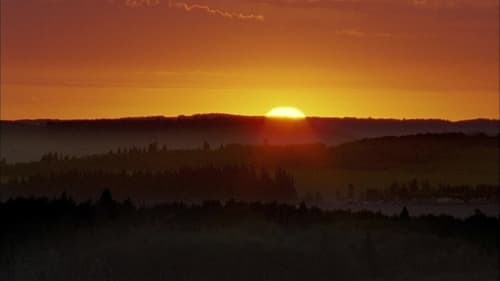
x=361, y=34
x=187, y=7
x=206, y=9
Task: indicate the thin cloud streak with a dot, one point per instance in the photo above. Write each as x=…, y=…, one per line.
x=192, y=7
x=225, y=14
x=361, y=34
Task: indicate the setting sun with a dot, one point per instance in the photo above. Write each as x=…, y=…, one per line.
x=286, y=112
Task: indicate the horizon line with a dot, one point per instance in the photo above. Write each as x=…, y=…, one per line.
x=194, y=115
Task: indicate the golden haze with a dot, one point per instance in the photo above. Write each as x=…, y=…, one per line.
x=96, y=58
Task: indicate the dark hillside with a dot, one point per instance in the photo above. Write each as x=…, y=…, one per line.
x=436, y=159
x=28, y=140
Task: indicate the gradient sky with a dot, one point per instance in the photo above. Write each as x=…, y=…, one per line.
x=362, y=58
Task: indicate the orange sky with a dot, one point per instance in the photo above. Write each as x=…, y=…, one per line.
x=361, y=58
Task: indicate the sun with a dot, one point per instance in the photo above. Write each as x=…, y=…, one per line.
x=286, y=112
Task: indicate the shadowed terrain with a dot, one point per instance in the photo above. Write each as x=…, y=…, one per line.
x=46, y=239
x=180, y=199
x=362, y=168
x=28, y=140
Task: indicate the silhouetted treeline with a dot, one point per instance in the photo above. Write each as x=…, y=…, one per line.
x=39, y=211
x=154, y=168
x=27, y=140
x=105, y=239
x=255, y=122
x=421, y=190
x=184, y=184
x=386, y=152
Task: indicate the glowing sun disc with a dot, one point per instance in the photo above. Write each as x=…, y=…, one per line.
x=286, y=112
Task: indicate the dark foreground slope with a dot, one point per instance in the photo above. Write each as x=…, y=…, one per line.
x=45, y=239
x=28, y=140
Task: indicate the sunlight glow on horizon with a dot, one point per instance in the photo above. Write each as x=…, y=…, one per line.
x=286, y=112
x=330, y=58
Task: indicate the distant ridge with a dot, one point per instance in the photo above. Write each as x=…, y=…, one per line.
x=27, y=140
x=236, y=116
